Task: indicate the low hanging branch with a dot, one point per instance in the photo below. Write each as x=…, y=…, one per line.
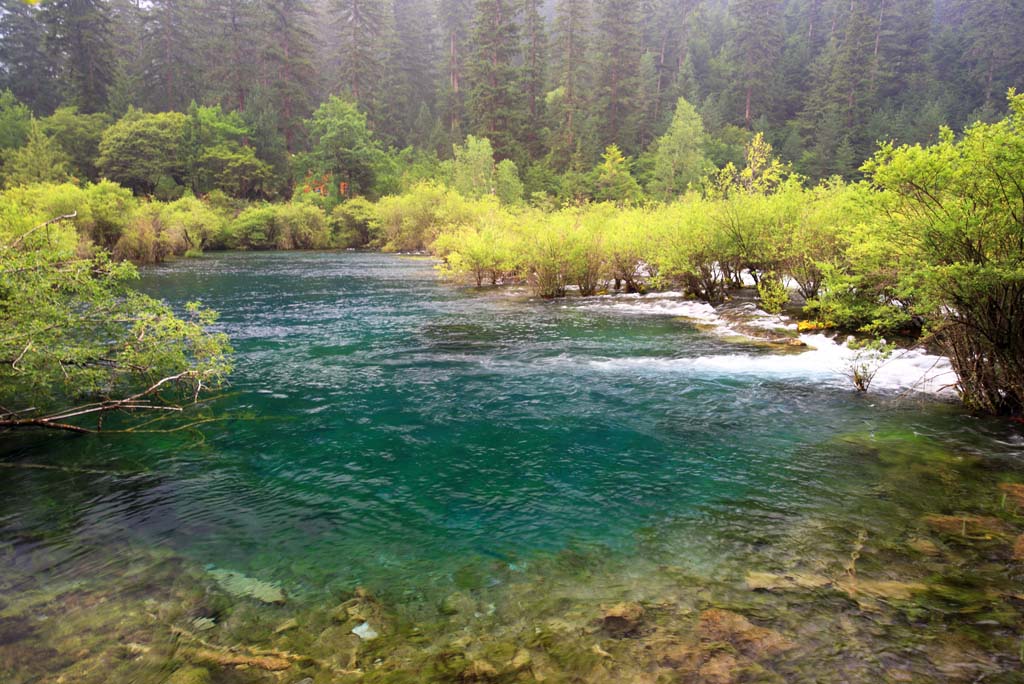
x=137, y=402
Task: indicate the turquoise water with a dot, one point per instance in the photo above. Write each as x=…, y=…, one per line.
x=386, y=430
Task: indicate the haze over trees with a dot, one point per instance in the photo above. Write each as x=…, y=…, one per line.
x=550, y=84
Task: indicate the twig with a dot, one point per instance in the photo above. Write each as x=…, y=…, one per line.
x=66, y=217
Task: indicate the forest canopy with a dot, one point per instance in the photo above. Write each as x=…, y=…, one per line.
x=674, y=84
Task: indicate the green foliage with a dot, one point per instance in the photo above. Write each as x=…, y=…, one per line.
x=79, y=136
x=40, y=160
x=613, y=180
x=15, y=122
x=342, y=146
x=74, y=331
x=773, y=293
x=142, y=149
x=956, y=218
x=295, y=225
x=354, y=224
x=679, y=154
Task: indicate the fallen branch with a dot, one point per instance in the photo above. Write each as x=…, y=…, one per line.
x=135, y=402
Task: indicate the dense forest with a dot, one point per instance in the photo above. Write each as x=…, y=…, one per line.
x=550, y=84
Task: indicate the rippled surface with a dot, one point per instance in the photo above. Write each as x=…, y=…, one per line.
x=382, y=428
x=385, y=430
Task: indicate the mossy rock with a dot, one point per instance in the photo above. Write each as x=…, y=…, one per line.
x=190, y=675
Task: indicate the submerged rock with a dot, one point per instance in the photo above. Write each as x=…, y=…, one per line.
x=365, y=631
x=881, y=589
x=623, y=618
x=456, y=604
x=924, y=546
x=237, y=584
x=767, y=581
x=724, y=626
x=967, y=525
x=1014, y=493
x=190, y=675
x=1018, y=548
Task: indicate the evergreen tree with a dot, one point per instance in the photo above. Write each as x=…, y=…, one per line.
x=679, y=158
x=27, y=68
x=755, y=48
x=411, y=74
x=290, y=75
x=360, y=27
x=230, y=36
x=570, y=67
x=170, y=54
x=494, y=99
x=535, y=47
x=80, y=33
x=453, y=16
x=617, y=73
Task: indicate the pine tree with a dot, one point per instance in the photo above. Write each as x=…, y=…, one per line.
x=27, y=68
x=230, y=40
x=535, y=48
x=569, y=59
x=360, y=28
x=411, y=73
x=170, y=54
x=494, y=98
x=617, y=69
x=453, y=17
x=755, y=48
x=80, y=32
x=679, y=158
x=290, y=76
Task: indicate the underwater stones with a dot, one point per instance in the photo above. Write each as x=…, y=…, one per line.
x=721, y=668
x=239, y=585
x=190, y=675
x=975, y=526
x=767, y=581
x=479, y=671
x=286, y=626
x=723, y=626
x=228, y=659
x=622, y=619
x=457, y=604
x=1014, y=493
x=925, y=547
x=881, y=589
x=365, y=632
x=1018, y=548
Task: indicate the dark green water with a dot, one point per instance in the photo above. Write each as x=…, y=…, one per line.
x=385, y=430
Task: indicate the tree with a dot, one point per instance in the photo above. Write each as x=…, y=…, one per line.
x=342, y=146
x=288, y=53
x=534, y=75
x=494, y=97
x=473, y=168
x=617, y=73
x=27, y=68
x=679, y=158
x=614, y=182
x=40, y=160
x=80, y=31
x=454, y=19
x=79, y=135
x=170, y=50
x=72, y=330
x=15, y=121
x=360, y=26
x=958, y=212
x=570, y=65
x=755, y=47
x=141, y=149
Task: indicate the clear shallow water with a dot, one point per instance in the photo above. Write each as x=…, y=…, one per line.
x=385, y=430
